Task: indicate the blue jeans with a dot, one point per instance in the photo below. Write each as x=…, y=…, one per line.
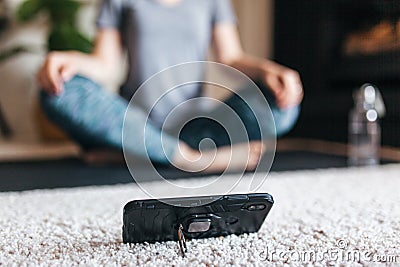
x=94, y=118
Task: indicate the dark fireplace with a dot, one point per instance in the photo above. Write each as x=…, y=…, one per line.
x=337, y=46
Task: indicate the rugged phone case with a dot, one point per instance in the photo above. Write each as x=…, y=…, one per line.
x=154, y=220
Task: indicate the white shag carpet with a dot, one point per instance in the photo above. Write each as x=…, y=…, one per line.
x=323, y=217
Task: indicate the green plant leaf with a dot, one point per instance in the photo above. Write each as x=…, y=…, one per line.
x=66, y=37
x=28, y=10
x=63, y=11
x=64, y=34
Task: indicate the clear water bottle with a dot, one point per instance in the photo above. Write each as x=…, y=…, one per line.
x=364, y=127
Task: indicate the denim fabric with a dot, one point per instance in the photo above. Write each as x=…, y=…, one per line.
x=201, y=128
x=95, y=118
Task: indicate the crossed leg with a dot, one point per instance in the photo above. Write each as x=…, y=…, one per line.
x=95, y=118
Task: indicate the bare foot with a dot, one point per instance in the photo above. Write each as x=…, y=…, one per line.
x=238, y=157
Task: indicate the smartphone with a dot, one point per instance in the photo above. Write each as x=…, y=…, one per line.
x=155, y=221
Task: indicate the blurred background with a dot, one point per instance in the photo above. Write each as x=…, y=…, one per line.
x=18, y=89
x=336, y=46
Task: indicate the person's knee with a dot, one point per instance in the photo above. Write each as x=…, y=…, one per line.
x=285, y=120
x=74, y=89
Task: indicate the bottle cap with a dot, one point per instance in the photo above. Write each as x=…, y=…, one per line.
x=370, y=98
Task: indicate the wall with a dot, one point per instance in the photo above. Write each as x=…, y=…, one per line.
x=255, y=21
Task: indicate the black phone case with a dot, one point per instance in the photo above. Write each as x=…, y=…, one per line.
x=153, y=220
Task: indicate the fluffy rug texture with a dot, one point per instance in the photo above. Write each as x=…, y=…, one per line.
x=323, y=217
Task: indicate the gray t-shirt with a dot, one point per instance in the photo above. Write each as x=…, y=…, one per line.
x=158, y=36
